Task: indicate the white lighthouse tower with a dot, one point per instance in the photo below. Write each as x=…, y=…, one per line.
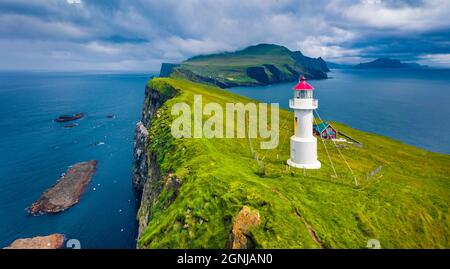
x=303, y=142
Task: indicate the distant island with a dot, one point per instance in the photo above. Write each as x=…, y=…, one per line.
x=380, y=63
x=256, y=65
x=333, y=65
x=387, y=63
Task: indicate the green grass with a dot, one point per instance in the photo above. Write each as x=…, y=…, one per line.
x=232, y=67
x=405, y=205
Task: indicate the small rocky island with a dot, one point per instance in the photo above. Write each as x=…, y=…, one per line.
x=71, y=125
x=53, y=241
x=66, y=118
x=67, y=191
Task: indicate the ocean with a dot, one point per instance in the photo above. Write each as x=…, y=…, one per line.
x=35, y=151
x=412, y=106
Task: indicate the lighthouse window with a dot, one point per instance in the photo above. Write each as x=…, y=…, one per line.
x=306, y=94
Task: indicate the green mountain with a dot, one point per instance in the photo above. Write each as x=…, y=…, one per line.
x=218, y=193
x=256, y=65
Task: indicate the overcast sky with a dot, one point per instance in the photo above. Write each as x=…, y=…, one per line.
x=140, y=34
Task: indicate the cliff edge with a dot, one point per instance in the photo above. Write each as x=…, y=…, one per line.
x=228, y=193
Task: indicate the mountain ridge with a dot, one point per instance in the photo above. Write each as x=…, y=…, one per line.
x=255, y=65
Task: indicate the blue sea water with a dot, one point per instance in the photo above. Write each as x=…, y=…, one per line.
x=35, y=151
x=412, y=106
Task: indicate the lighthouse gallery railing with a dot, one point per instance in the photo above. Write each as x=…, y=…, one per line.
x=303, y=103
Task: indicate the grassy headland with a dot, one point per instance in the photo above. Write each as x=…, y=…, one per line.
x=402, y=197
x=255, y=65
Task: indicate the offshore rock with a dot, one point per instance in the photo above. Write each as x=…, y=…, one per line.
x=53, y=241
x=67, y=191
x=65, y=118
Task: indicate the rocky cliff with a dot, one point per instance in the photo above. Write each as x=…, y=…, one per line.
x=155, y=96
x=140, y=167
x=146, y=175
x=167, y=69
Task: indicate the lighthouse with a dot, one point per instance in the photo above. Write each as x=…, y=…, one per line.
x=303, y=142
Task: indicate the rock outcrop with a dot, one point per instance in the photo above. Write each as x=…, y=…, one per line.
x=245, y=220
x=67, y=191
x=53, y=241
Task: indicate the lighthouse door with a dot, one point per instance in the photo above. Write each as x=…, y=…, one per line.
x=296, y=126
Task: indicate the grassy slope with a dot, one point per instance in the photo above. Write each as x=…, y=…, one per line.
x=231, y=66
x=403, y=206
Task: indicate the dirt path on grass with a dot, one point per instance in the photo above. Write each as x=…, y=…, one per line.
x=311, y=230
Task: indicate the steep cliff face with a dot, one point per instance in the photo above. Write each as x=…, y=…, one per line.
x=150, y=191
x=146, y=172
x=140, y=167
x=167, y=69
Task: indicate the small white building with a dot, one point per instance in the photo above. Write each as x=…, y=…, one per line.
x=303, y=142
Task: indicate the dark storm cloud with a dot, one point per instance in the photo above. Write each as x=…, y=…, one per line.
x=139, y=35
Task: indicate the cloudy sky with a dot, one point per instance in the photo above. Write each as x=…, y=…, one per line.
x=140, y=34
